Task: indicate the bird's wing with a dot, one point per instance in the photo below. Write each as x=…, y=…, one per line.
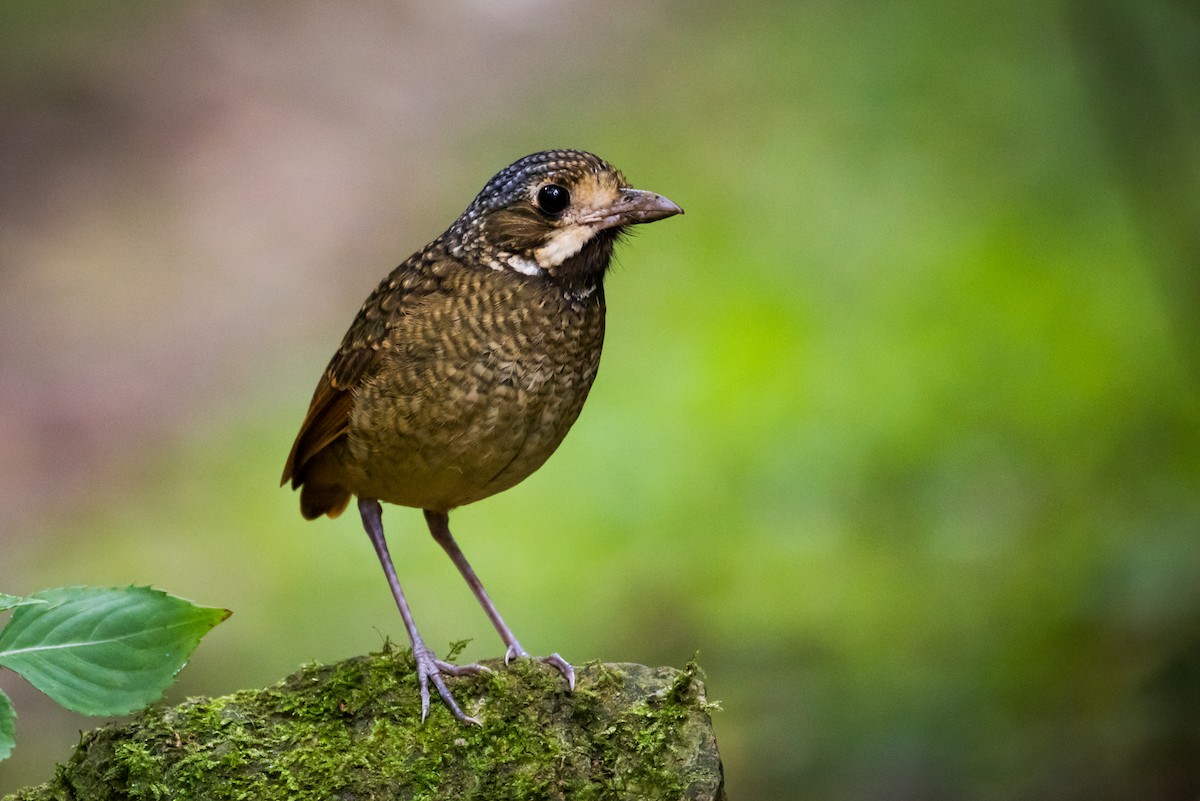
x=358, y=357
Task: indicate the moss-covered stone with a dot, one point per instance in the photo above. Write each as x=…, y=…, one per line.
x=352, y=730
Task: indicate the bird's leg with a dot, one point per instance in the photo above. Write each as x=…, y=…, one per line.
x=439, y=527
x=429, y=667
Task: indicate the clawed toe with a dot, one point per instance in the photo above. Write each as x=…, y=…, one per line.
x=553, y=660
x=449, y=669
x=563, y=667
x=431, y=669
x=513, y=652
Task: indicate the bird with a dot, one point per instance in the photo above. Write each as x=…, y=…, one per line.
x=464, y=369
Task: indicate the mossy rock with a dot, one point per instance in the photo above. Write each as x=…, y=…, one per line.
x=352, y=730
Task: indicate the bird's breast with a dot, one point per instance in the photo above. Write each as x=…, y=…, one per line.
x=477, y=388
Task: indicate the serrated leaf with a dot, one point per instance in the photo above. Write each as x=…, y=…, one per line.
x=104, y=651
x=8, y=726
x=10, y=601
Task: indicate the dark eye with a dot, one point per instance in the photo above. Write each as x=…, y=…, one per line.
x=552, y=199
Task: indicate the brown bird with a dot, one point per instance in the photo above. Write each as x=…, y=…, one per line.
x=464, y=369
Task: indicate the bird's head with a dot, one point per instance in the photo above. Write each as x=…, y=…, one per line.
x=555, y=214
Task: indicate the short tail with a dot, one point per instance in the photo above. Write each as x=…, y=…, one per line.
x=323, y=499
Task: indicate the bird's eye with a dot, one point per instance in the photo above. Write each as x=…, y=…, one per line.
x=552, y=199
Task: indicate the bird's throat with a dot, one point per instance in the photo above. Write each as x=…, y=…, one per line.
x=582, y=273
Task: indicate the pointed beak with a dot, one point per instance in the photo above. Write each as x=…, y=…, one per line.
x=634, y=206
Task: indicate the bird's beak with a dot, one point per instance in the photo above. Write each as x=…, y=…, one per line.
x=634, y=206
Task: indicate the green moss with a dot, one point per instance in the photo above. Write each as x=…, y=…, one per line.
x=352, y=730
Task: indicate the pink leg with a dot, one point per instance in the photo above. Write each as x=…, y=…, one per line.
x=429, y=668
x=439, y=527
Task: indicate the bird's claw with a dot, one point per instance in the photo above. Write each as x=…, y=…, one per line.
x=553, y=660
x=563, y=667
x=431, y=669
x=450, y=669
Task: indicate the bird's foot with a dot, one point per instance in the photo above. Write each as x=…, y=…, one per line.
x=431, y=669
x=553, y=660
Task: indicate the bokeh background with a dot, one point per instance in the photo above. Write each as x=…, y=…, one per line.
x=898, y=427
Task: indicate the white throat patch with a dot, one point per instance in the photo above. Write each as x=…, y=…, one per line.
x=563, y=244
x=519, y=264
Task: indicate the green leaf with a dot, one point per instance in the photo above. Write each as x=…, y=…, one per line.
x=9, y=601
x=104, y=651
x=8, y=726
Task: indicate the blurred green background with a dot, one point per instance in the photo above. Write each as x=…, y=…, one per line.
x=898, y=427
